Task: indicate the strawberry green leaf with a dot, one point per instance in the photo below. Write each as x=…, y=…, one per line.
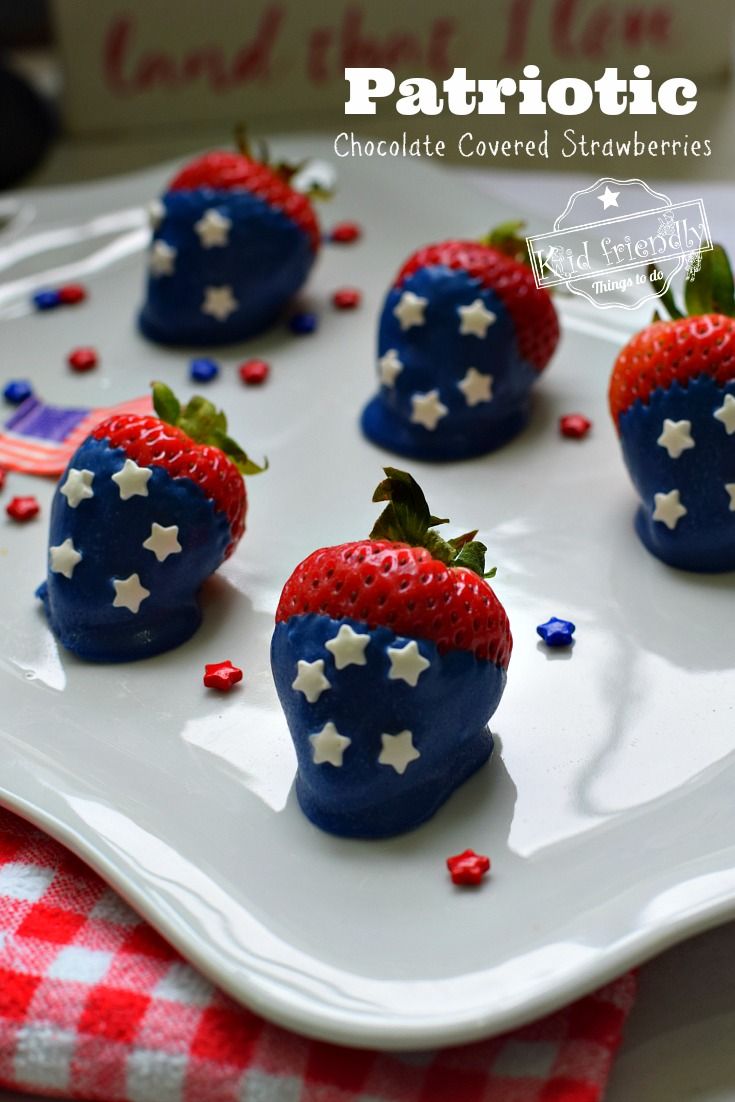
x=165, y=403
x=506, y=238
x=472, y=556
x=667, y=297
x=233, y=451
x=204, y=424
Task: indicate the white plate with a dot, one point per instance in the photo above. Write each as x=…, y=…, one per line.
x=608, y=812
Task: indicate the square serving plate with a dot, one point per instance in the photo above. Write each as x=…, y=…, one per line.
x=608, y=807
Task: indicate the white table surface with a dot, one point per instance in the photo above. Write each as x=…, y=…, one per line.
x=678, y=1044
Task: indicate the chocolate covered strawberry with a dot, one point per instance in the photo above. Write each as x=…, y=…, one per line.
x=389, y=656
x=672, y=397
x=232, y=243
x=463, y=336
x=147, y=509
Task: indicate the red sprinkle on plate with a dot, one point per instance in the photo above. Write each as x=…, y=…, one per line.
x=22, y=508
x=221, y=676
x=82, y=359
x=254, y=372
x=347, y=298
x=344, y=233
x=468, y=867
x=72, y=293
x=3, y=474
x=574, y=425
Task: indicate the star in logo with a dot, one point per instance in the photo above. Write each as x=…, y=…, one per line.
x=427, y=410
x=348, y=647
x=389, y=367
x=668, y=509
x=219, y=302
x=213, y=228
x=221, y=676
x=328, y=746
x=476, y=319
x=310, y=679
x=129, y=593
x=78, y=486
x=468, y=867
x=676, y=437
x=163, y=541
x=608, y=198
x=163, y=259
x=410, y=310
x=407, y=663
x=63, y=558
x=726, y=414
x=132, y=480
x=398, y=751
x=476, y=387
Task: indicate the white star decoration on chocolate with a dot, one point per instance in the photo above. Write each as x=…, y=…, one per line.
x=219, y=302
x=310, y=679
x=608, y=198
x=669, y=509
x=163, y=259
x=156, y=212
x=398, y=751
x=213, y=229
x=78, y=486
x=64, y=558
x=348, y=647
x=163, y=541
x=726, y=414
x=407, y=663
x=476, y=387
x=476, y=319
x=129, y=593
x=730, y=489
x=676, y=437
x=410, y=309
x=389, y=366
x=132, y=480
x=427, y=410
x=329, y=746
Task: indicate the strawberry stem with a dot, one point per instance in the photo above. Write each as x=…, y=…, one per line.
x=709, y=290
x=204, y=424
x=407, y=519
x=506, y=239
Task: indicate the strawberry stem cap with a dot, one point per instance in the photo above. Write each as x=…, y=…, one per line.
x=204, y=424
x=709, y=290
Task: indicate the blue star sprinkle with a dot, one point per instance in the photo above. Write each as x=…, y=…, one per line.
x=46, y=300
x=16, y=391
x=203, y=371
x=301, y=324
x=556, y=633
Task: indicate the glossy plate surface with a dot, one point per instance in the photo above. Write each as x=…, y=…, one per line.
x=608, y=811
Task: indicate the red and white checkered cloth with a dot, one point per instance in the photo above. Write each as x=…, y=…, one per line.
x=95, y=1005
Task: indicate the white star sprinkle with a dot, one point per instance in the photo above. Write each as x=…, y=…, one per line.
x=78, y=486
x=608, y=198
x=476, y=387
x=129, y=593
x=427, y=410
x=329, y=746
x=163, y=541
x=390, y=366
x=730, y=488
x=213, y=229
x=398, y=751
x=476, y=319
x=163, y=259
x=64, y=558
x=132, y=480
x=726, y=414
x=669, y=509
x=310, y=679
x=156, y=212
x=348, y=647
x=407, y=663
x=219, y=302
x=410, y=309
x=676, y=437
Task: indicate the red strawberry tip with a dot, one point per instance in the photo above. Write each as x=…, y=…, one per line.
x=204, y=424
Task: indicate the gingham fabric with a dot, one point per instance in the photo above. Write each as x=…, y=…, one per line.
x=95, y=1005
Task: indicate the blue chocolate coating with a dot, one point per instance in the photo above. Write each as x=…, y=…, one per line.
x=266, y=260
x=704, y=539
x=436, y=356
x=447, y=713
x=109, y=534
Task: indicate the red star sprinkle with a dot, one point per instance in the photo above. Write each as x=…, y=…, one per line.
x=82, y=359
x=468, y=867
x=72, y=293
x=3, y=473
x=347, y=298
x=221, y=676
x=254, y=372
x=22, y=508
x=344, y=233
x=574, y=425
